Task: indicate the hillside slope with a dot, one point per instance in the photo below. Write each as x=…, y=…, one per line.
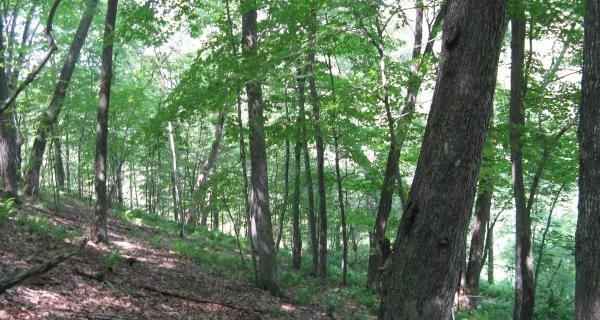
x=131, y=279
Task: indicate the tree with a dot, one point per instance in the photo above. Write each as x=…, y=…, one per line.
x=8, y=133
x=475, y=262
x=101, y=206
x=421, y=276
x=312, y=220
x=320, y=146
x=262, y=229
x=587, y=246
x=50, y=116
x=524, y=282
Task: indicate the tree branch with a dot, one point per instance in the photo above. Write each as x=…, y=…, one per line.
x=31, y=76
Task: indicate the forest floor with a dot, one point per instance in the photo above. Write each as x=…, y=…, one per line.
x=133, y=278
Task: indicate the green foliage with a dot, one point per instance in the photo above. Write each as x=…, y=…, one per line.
x=44, y=227
x=115, y=257
x=7, y=208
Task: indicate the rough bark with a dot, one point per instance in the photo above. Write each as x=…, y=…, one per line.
x=421, y=276
x=524, y=282
x=101, y=206
x=8, y=144
x=262, y=230
x=587, y=239
x=483, y=205
x=50, y=116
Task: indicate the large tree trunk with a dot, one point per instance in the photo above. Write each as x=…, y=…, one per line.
x=312, y=221
x=483, y=205
x=587, y=240
x=262, y=230
x=101, y=207
x=319, y=145
x=8, y=141
x=524, y=283
x=50, y=117
x=422, y=274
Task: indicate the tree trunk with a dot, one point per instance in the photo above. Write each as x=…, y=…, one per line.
x=286, y=178
x=342, y=211
x=211, y=159
x=296, y=232
x=319, y=144
x=174, y=176
x=490, y=255
x=483, y=205
x=421, y=277
x=50, y=117
x=8, y=142
x=68, y=162
x=59, y=169
x=101, y=207
x=262, y=230
x=79, y=168
x=312, y=221
x=245, y=184
x=339, y=181
x=524, y=282
x=587, y=239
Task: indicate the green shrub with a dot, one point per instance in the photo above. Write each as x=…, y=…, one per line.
x=113, y=259
x=303, y=296
x=7, y=208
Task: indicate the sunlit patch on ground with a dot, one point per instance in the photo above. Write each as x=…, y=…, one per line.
x=144, y=282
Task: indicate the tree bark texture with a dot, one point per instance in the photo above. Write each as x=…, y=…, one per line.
x=587, y=239
x=421, y=277
x=262, y=229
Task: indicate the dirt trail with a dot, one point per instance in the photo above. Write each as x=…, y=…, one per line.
x=147, y=283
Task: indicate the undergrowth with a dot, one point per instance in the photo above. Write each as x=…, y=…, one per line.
x=218, y=253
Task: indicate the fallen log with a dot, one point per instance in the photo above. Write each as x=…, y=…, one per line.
x=177, y=295
x=10, y=281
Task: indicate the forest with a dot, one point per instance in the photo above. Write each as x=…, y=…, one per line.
x=300, y=159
